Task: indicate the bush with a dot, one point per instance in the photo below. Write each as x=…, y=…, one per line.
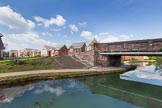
x=18, y=62
x=160, y=49
x=152, y=58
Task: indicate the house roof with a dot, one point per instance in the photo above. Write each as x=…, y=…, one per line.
x=1, y=43
x=47, y=47
x=59, y=47
x=26, y=49
x=13, y=51
x=35, y=50
x=93, y=41
x=77, y=45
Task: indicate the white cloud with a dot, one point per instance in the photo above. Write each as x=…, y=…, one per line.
x=107, y=37
x=125, y=37
x=25, y=40
x=83, y=24
x=58, y=91
x=59, y=21
x=39, y=24
x=73, y=28
x=14, y=20
x=55, y=29
x=87, y=35
x=104, y=37
x=46, y=34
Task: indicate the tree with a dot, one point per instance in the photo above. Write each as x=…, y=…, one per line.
x=5, y=54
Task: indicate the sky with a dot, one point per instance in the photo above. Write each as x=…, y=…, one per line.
x=34, y=23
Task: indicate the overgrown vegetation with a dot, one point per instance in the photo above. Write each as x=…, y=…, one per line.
x=160, y=49
x=122, y=62
x=152, y=58
x=26, y=64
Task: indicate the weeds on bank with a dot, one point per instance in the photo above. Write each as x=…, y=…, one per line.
x=26, y=64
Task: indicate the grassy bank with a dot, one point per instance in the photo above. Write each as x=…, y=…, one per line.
x=26, y=64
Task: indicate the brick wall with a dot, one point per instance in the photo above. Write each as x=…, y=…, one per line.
x=87, y=57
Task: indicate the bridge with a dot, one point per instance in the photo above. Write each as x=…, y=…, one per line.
x=109, y=54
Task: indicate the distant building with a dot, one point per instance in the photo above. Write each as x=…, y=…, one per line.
x=1, y=46
x=91, y=45
x=58, y=50
x=34, y=53
x=46, y=50
x=25, y=52
x=135, y=57
x=88, y=55
x=13, y=53
x=77, y=48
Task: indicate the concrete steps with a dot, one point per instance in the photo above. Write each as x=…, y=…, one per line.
x=69, y=62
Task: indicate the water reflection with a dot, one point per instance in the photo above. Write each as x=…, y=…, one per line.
x=146, y=72
x=9, y=94
x=140, y=94
x=65, y=93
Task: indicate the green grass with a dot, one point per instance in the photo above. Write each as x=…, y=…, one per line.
x=4, y=61
x=25, y=59
x=31, y=58
x=26, y=64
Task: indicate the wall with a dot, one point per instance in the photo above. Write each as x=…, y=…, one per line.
x=83, y=48
x=88, y=57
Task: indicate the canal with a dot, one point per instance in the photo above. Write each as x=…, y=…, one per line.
x=141, y=88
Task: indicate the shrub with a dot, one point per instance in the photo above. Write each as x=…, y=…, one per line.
x=160, y=49
x=18, y=62
x=152, y=58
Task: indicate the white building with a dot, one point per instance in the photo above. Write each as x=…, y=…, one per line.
x=46, y=50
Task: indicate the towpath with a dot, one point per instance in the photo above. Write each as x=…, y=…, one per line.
x=35, y=72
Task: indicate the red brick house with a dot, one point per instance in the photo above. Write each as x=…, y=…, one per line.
x=77, y=48
x=58, y=50
x=34, y=53
x=135, y=57
x=24, y=52
x=1, y=47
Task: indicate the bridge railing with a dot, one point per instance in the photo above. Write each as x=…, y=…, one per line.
x=132, y=53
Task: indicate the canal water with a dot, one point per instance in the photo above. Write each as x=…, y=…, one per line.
x=105, y=91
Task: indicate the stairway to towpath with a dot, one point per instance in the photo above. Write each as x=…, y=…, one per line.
x=65, y=61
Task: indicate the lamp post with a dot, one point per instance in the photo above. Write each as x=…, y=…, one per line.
x=1, y=47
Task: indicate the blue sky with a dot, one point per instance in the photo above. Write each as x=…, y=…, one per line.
x=34, y=23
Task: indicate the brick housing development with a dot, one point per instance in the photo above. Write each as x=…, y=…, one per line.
x=77, y=48
x=59, y=50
